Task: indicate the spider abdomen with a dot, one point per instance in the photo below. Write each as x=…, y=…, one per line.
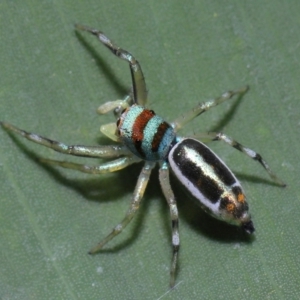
x=210, y=182
x=147, y=135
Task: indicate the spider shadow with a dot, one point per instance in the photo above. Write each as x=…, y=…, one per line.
x=91, y=189
x=98, y=190
x=102, y=65
x=256, y=179
x=152, y=192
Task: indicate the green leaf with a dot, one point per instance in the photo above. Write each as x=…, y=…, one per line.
x=53, y=79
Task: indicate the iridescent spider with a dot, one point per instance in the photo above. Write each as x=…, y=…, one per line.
x=144, y=136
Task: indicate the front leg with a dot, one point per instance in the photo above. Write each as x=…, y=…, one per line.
x=138, y=81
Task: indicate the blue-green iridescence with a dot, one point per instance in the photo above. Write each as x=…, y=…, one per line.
x=147, y=135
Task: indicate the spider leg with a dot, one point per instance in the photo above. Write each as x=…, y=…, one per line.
x=214, y=136
x=202, y=107
x=111, y=166
x=118, y=106
x=138, y=81
x=77, y=150
x=135, y=203
x=169, y=195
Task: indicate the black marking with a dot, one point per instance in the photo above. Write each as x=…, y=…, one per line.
x=224, y=202
x=258, y=157
x=174, y=224
x=237, y=190
x=237, y=146
x=249, y=227
x=206, y=185
x=138, y=147
x=211, y=159
x=159, y=135
x=235, y=209
x=260, y=160
x=118, y=121
x=210, y=188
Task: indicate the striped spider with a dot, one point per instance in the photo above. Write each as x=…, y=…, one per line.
x=144, y=136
